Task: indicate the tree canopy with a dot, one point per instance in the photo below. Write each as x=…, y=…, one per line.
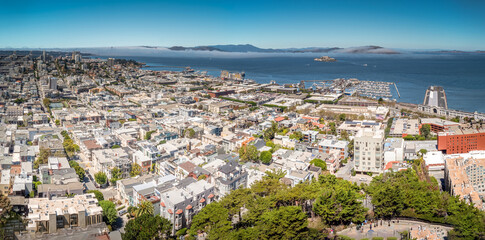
x=319, y=163
x=100, y=177
x=265, y=157
x=154, y=228
x=248, y=153
x=109, y=211
x=135, y=170
x=405, y=193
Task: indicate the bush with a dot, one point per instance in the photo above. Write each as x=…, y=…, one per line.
x=100, y=178
x=377, y=238
x=391, y=238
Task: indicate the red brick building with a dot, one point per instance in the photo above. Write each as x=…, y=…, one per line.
x=460, y=139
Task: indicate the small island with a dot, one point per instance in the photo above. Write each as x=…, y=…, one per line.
x=325, y=59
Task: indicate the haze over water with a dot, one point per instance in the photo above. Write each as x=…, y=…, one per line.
x=462, y=75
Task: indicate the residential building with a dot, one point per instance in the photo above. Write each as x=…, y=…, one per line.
x=230, y=177
x=49, y=215
x=368, y=150
x=465, y=177
x=180, y=204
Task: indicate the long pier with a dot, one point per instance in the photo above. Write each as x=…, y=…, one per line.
x=399, y=95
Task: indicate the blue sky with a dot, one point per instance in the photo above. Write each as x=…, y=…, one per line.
x=445, y=24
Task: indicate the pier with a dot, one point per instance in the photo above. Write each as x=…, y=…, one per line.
x=399, y=95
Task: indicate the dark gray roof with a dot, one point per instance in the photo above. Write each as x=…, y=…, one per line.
x=185, y=182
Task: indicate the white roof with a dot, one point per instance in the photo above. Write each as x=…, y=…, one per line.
x=435, y=157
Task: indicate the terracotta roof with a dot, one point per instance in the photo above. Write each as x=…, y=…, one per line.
x=179, y=211
x=91, y=144
x=279, y=119
x=202, y=200
x=210, y=195
x=188, y=207
x=15, y=169
x=170, y=211
x=389, y=164
x=188, y=166
x=162, y=204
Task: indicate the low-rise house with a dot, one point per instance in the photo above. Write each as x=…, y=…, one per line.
x=59, y=190
x=22, y=185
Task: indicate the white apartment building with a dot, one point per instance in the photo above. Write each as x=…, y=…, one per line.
x=368, y=150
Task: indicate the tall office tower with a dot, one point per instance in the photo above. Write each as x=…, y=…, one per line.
x=77, y=58
x=111, y=62
x=43, y=55
x=74, y=53
x=53, y=83
x=435, y=97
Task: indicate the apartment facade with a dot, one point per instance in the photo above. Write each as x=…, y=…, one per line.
x=368, y=150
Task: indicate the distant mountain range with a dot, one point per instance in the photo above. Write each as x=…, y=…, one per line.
x=251, y=48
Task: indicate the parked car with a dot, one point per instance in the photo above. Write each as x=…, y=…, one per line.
x=122, y=212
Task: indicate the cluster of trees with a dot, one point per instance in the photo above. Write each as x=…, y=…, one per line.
x=79, y=170
x=115, y=175
x=109, y=212
x=249, y=153
x=297, y=135
x=69, y=145
x=410, y=194
x=252, y=103
x=135, y=169
x=42, y=158
x=272, y=210
x=189, y=133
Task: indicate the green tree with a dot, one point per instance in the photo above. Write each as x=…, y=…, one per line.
x=115, y=175
x=213, y=220
x=425, y=131
x=342, y=117
x=79, y=170
x=333, y=129
x=265, y=157
x=319, y=163
x=135, y=170
x=189, y=133
x=283, y=223
x=248, y=153
x=340, y=204
x=109, y=211
x=100, y=178
x=43, y=157
x=143, y=208
x=115, y=146
x=297, y=136
x=387, y=201
x=269, y=133
x=148, y=135
x=58, y=122
x=99, y=196
x=275, y=174
x=154, y=227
